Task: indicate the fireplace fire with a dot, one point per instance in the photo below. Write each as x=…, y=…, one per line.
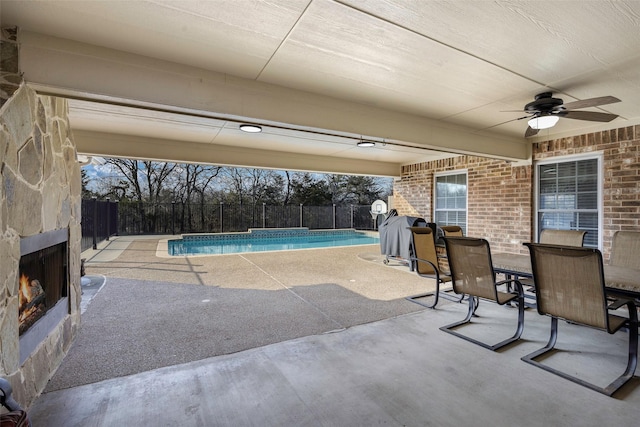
x=43, y=276
x=32, y=302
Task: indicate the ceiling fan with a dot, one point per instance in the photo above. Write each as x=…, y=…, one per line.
x=545, y=111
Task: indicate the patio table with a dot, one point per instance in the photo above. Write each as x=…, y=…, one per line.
x=617, y=279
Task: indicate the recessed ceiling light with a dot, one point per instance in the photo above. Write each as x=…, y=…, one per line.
x=365, y=144
x=251, y=128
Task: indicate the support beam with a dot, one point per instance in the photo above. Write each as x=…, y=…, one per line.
x=65, y=66
x=113, y=145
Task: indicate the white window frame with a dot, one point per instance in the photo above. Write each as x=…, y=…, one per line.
x=437, y=175
x=597, y=155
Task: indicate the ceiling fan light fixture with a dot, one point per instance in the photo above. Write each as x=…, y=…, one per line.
x=543, y=122
x=365, y=144
x=245, y=127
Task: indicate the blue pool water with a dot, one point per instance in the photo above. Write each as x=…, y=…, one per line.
x=266, y=240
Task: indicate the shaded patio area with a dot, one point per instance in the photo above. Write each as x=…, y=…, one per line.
x=318, y=337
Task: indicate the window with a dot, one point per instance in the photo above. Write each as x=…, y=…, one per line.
x=568, y=197
x=451, y=200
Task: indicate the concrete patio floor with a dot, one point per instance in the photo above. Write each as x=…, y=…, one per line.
x=372, y=359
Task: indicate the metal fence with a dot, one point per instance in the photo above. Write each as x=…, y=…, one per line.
x=102, y=219
x=99, y=222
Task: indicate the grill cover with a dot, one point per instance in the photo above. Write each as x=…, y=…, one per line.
x=395, y=236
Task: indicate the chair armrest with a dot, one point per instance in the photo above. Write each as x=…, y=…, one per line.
x=425, y=261
x=617, y=303
x=437, y=274
x=515, y=281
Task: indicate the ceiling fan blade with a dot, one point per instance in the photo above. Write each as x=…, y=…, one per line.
x=591, y=102
x=593, y=116
x=508, y=121
x=530, y=132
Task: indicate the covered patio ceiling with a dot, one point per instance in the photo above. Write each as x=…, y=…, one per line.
x=172, y=80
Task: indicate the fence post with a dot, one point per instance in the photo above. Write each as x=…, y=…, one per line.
x=95, y=223
x=334, y=216
x=264, y=215
x=117, y=221
x=300, y=215
x=108, y=218
x=173, y=217
x=351, y=216
x=222, y=217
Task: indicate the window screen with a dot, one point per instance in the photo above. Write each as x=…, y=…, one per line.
x=568, y=197
x=451, y=200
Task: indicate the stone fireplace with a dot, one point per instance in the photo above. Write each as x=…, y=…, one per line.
x=40, y=195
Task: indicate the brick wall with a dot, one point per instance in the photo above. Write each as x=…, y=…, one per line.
x=500, y=195
x=621, y=174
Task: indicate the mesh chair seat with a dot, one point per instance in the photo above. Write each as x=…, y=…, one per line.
x=616, y=322
x=505, y=297
x=570, y=285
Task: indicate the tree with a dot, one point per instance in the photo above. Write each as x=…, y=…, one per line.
x=310, y=190
x=147, y=181
x=85, y=180
x=363, y=190
x=191, y=187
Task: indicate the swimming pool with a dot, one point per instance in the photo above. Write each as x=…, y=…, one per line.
x=263, y=240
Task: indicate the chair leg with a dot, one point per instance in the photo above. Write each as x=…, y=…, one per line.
x=632, y=361
x=415, y=298
x=473, y=304
x=611, y=388
x=436, y=294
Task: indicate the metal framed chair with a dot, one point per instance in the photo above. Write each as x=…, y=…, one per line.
x=425, y=262
x=625, y=249
x=16, y=417
x=556, y=237
x=562, y=237
x=625, y=252
x=452, y=230
x=472, y=274
x=570, y=285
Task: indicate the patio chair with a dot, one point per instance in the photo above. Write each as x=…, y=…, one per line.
x=472, y=274
x=452, y=230
x=625, y=252
x=562, y=237
x=570, y=286
x=625, y=249
x=425, y=260
x=16, y=416
x=550, y=236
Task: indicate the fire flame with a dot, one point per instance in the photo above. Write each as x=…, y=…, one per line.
x=29, y=289
x=24, y=295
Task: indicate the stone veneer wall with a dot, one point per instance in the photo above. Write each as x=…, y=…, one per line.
x=500, y=195
x=40, y=190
